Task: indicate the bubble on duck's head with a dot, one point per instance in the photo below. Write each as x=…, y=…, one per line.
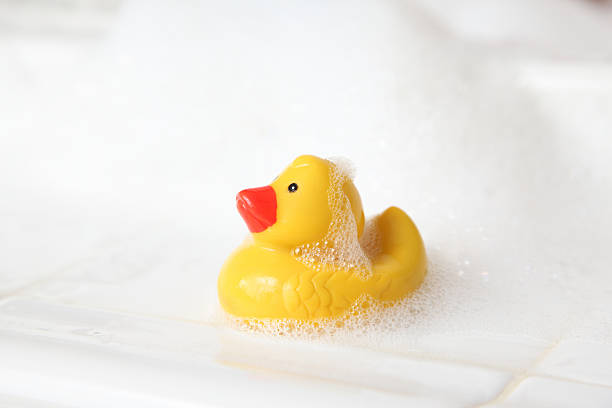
x=342, y=245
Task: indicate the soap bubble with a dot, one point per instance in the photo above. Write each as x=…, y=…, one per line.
x=341, y=246
x=367, y=320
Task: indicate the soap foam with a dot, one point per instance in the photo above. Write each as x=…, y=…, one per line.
x=341, y=246
x=369, y=321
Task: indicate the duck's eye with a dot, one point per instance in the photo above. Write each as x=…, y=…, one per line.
x=292, y=187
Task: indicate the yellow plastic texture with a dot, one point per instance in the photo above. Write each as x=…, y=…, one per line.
x=264, y=279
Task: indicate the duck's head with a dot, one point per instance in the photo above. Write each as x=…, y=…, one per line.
x=294, y=209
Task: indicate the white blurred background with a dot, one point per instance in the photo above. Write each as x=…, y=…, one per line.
x=127, y=127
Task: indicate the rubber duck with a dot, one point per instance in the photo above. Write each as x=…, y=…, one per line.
x=311, y=254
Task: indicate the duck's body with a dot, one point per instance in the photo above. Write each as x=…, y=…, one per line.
x=268, y=277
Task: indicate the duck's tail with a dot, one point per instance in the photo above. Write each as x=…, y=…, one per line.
x=401, y=264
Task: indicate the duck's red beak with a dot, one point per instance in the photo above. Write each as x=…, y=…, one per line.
x=258, y=207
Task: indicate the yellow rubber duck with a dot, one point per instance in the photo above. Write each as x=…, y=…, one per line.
x=311, y=254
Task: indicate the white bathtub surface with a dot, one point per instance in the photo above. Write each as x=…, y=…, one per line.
x=127, y=127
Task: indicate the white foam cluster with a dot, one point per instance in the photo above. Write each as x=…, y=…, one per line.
x=367, y=321
x=370, y=238
x=341, y=246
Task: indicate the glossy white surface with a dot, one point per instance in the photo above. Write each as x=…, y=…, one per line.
x=581, y=361
x=126, y=129
x=546, y=392
x=136, y=360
